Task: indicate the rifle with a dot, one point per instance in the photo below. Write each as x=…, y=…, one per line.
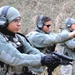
x=64, y=60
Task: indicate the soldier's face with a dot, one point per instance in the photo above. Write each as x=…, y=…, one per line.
x=72, y=27
x=47, y=26
x=14, y=26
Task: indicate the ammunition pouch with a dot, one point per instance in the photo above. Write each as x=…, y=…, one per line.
x=20, y=70
x=26, y=71
x=3, y=68
x=14, y=70
x=51, y=48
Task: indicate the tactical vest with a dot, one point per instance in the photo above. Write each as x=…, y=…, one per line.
x=10, y=70
x=51, y=48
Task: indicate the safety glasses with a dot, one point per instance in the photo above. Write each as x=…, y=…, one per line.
x=47, y=25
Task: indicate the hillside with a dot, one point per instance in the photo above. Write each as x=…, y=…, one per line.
x=57, y=10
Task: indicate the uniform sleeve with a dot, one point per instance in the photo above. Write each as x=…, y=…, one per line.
x=11, y=56
x=70, y=43
x=59, y=37
x=43, y=40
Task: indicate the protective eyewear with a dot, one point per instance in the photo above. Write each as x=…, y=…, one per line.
x=47, y=25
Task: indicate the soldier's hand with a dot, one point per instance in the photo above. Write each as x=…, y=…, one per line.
x=50, y=60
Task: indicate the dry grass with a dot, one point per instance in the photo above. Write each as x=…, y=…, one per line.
x=57, y=71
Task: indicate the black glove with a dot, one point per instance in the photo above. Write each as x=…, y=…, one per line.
x=51, y=61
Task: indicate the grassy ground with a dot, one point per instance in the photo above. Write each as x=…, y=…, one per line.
x=57, y=71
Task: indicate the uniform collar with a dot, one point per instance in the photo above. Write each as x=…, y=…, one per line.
x=7, y=32
x=39, y=30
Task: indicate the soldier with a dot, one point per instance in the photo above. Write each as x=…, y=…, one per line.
x=43, y=39
x=69, y=47
x=16, y=54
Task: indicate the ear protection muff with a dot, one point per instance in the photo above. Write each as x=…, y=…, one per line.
x=3, y=19
x=69, y=22
x=68, y=26
x=39, y=22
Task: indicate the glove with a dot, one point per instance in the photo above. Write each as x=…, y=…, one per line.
x=51, y=61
